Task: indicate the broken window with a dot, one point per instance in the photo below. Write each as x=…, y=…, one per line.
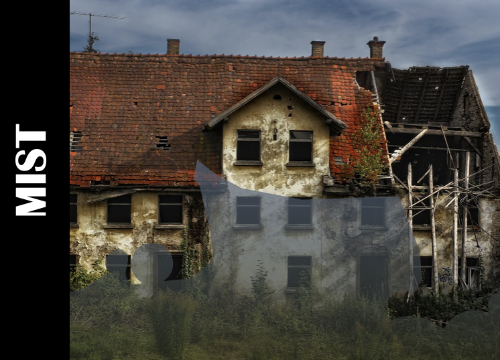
x=248, y=210
x=119, y=209
x=420, y=216
x=300, y=147
x=373, y=212
x=72, y=208
x=74, y=139
x=162, y=143
x=248, y=145
x=472, y=272
x=119, y=264
x=472, y=214
x=299, y=271
x=424, y=270
x=73, y=261
x=170, y=209
x=299, y=211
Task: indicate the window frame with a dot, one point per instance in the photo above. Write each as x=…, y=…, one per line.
x=248, y=226
x=290, y=141
x=383, y=207
x=73, y=223
x=259, y=140
x=128, y=266
x=119, y=224
x=299, y=226
x=308, y=267
x=431, y=267
x=476, y=268
x=171, y=224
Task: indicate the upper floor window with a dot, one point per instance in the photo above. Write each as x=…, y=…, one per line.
x=248, y=210
x=170, y=209
x=248, y=145
x=299, y=211
x=373, y=212
x=300, y=147
x=72, y=208
x=119, y=209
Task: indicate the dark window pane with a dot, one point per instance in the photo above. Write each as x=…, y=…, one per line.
x=299, y=201
x=171, y=214
x=248, y=150
x=472, y=261
x=299, y=215
x=124, y=199
x=72, y=213
x=372, y=217
x=252, y=134
x=171, y=199
x=300, y=151
x=119, y=213
x=426, y=261
x=301, y=135
x=425, y=274
x=299, y=261
x=248, y=201
x=72, y=198
x=298, y=276
x=119, y=264
x=248, y=215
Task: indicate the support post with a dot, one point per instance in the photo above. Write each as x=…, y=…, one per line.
x=455, y=231
x=410, y=227
x=464, y=219
x=433, y=234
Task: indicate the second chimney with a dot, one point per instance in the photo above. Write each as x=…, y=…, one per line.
x=317, y=48
x=173, y=46
x=375, y=47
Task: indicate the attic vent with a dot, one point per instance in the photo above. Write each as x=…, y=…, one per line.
x=74, y=139
x=277, y=97
x=163, y=143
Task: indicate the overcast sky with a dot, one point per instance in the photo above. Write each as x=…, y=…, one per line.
x=417, y=33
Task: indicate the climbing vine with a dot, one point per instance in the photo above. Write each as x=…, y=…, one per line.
x=369, y=162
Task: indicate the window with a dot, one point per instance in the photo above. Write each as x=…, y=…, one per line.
x=73, y=209
x=162, y=143
x=248, y=211
x=119, y=209
x=299, y=211
x=74, y=139
x=424, y=271
x=373, y=212
x=300, y=147
x=73, y=261
x=421, y=216
x=248, y=146
x=299, y=271
x=119, y=264
x=170, y=209
x=473, y=270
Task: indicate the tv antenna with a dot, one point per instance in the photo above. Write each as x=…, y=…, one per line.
x=92, y=37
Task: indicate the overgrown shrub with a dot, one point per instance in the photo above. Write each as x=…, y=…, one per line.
x=80, y=278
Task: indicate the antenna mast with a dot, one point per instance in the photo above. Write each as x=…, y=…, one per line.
x=92, y=37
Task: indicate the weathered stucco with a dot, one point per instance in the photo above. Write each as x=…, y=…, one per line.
x=274, y=177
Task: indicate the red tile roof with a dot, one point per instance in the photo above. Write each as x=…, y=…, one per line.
x=122, y=103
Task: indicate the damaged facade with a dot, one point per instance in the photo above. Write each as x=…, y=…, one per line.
x=286, y=128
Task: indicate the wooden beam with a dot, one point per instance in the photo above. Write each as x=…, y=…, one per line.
x=437, y=132
x=397, y=154
x=464, y=219
x=455, y=229
x=410, y=226
x=433, y=233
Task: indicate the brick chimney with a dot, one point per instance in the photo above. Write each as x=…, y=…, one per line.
x=173, y=46
x=317, y=48
x=375, y=47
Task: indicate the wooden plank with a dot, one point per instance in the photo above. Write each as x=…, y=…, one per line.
x=433, y=234
x=455, y=229
x=397, y=154
x=464, y=219
x=405, y=130
x=410, y=226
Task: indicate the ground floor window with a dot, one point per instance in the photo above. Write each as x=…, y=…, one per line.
x=472, y=272
x=422, y=269
x=299, y=271
x=119, y=264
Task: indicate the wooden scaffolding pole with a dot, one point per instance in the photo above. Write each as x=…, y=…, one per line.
x=455, y=230
x=435, y=282
x=410, y=227
x=464, y=219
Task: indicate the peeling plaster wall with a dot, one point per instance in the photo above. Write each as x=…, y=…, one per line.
x=92, y=241
x=274, y=176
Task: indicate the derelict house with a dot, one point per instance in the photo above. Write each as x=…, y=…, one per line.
x=269, y=148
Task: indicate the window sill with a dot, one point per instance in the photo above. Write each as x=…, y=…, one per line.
x=373, y=228
x=118, y=226
x=299, y=227
x=248, y=163
x=73, y=225
x=301, y=163
x=170, y=226
x=295, y=290
x=247, y=227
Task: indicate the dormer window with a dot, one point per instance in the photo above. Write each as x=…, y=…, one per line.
x=248, y=147
x=162, y=143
